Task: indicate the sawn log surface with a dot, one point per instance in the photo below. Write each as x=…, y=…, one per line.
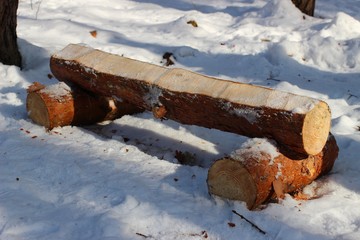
x=300, y=123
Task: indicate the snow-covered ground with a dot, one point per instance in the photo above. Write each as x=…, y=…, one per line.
x=121, y=180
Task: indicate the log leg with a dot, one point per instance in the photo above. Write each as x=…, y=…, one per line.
x=254, y=175
x=61, y=105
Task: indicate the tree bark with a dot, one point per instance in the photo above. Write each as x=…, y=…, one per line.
x=59, y=105
x=9, y=53
x=252, y=175
x=298, y=123
x=305, y=6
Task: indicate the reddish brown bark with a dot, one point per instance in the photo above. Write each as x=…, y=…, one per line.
x=254, y=177
x=58, y=105
x=9, y=53
x=298, y=123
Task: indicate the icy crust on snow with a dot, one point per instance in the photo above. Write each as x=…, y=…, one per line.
x=57, y=90
x=180, y=80
x=256, y=147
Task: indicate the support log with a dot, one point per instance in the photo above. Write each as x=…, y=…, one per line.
x=61, y=105
x=254, y=174
x=300, y=123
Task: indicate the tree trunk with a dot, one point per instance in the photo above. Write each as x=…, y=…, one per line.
x=305, y=6
x=59, y=105
x=300, y=123
x=254, y=175
x=9, y=53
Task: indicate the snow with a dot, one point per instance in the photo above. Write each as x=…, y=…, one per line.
x=121, y=180
x=256, y=147
x=57, y=90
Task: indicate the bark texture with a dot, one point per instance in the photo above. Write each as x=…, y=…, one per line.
x=9, y=53
x=254, y=177
x=59, y=105
x=305, y=6
x=298, y=123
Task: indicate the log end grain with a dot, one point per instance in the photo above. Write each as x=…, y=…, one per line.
x=37, y=109
x=50, y=106
x=316, y=128
x=228, y=178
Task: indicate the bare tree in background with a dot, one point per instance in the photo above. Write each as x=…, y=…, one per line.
x=306, y=6
x=9, y=52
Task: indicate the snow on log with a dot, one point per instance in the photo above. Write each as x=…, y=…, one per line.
x=257, y=172
x=62, y=105
x=300, y=123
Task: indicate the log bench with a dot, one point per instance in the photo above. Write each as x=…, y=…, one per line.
x=298, y=125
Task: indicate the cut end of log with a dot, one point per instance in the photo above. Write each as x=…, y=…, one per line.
x=316, y=128
x=50, y=106
x=37, y=110
x=227, y=179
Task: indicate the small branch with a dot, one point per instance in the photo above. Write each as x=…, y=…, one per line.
x=3, y=228
x=202, y=234
x=252, y=224
x=352, y=95
x=142, y=235
x=273, y=79
x=38, y=9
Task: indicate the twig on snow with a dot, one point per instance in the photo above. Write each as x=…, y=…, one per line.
x=251, y=223
x=273, y=79
x=352, y=95
x=38, y=9
x=142, y=235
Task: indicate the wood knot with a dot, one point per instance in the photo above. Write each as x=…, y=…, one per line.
x=159, y=111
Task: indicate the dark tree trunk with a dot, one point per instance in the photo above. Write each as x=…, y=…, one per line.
x=9, y=52
x=306, y=6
